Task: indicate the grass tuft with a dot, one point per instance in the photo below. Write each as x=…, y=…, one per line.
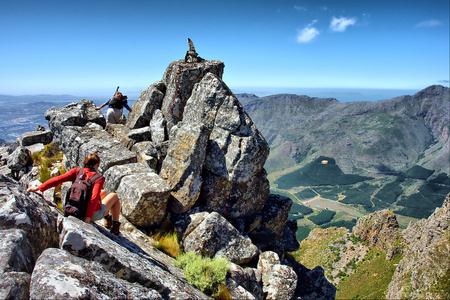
x=167, y=242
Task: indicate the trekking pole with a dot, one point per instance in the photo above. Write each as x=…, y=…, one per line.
x=117, y=89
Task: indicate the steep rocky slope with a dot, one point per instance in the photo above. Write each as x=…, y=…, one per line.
x=379, y=260
x=424, y=271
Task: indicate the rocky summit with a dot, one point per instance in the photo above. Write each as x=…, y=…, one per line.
x=188, y=155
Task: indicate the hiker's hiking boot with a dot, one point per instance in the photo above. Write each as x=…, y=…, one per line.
x=108, y=222
x=115, y=228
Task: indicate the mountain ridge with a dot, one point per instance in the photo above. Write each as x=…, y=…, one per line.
x=307, y=120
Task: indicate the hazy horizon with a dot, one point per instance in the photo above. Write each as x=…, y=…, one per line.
x=341, y=94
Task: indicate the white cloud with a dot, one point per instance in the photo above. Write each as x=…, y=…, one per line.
x=341, y=24
x=308, y=33
x=429, y=23
x=300, y=8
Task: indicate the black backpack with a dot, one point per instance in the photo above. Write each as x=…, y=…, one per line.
x=79, y=194
x=118, y=101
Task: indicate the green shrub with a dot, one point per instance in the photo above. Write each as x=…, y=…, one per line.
x=203, y=273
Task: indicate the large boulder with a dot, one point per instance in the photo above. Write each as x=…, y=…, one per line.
x=58, y=275
x=180, y=78
x=235, y=183
x=79, y=130
x=244, y=283
x=28, y=212
x=35, y=137
x=15, y=285
x=16, y=264
x=93, y=140
x=267, y=229
x=158, y=127
x=114, y=175
x=74, y=114
x=275, y=214
x=77, y=142
x=125, y=260
x=16, y=254
x=20, y=160
x=289, y=240
x=215, y=236
x=279, y=281
x=149, y=101
x=143, y=198
x=182, y=167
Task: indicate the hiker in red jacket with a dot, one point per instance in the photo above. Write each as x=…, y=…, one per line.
x=100, y=202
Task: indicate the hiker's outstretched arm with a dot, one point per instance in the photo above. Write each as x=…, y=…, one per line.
x=55, y=181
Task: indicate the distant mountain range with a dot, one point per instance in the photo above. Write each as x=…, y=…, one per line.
x=399, y=148
x=365, y=138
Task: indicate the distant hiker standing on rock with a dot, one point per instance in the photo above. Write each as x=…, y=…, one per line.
x=115, y=107
x=99, y=203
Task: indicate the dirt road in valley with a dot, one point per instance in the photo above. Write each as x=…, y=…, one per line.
x=324, y=203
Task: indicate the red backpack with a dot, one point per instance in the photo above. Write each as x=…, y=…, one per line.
x=79, y=194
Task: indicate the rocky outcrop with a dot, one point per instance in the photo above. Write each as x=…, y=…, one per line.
x=214, y=236
x=381, y=230
x=279, y=281
x=35, y=137
x=148, y=102
x=20, y=162
x=180, y=78
x=188, y=154
x=29, y=213
x=81, y=279
x=143, y=198
x=424, y=269
x=89, y=243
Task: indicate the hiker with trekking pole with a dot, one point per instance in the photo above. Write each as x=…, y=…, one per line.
x=85, y=199
x=115, y=107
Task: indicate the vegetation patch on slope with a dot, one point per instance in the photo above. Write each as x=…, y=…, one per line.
x=298, y=211
x=423, y=203
x=322, y=171
x=322, y=217
x=370, y=279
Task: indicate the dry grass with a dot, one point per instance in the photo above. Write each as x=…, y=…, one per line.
x=167, y=242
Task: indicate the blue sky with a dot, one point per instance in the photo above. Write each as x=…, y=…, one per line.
x=91, y=47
